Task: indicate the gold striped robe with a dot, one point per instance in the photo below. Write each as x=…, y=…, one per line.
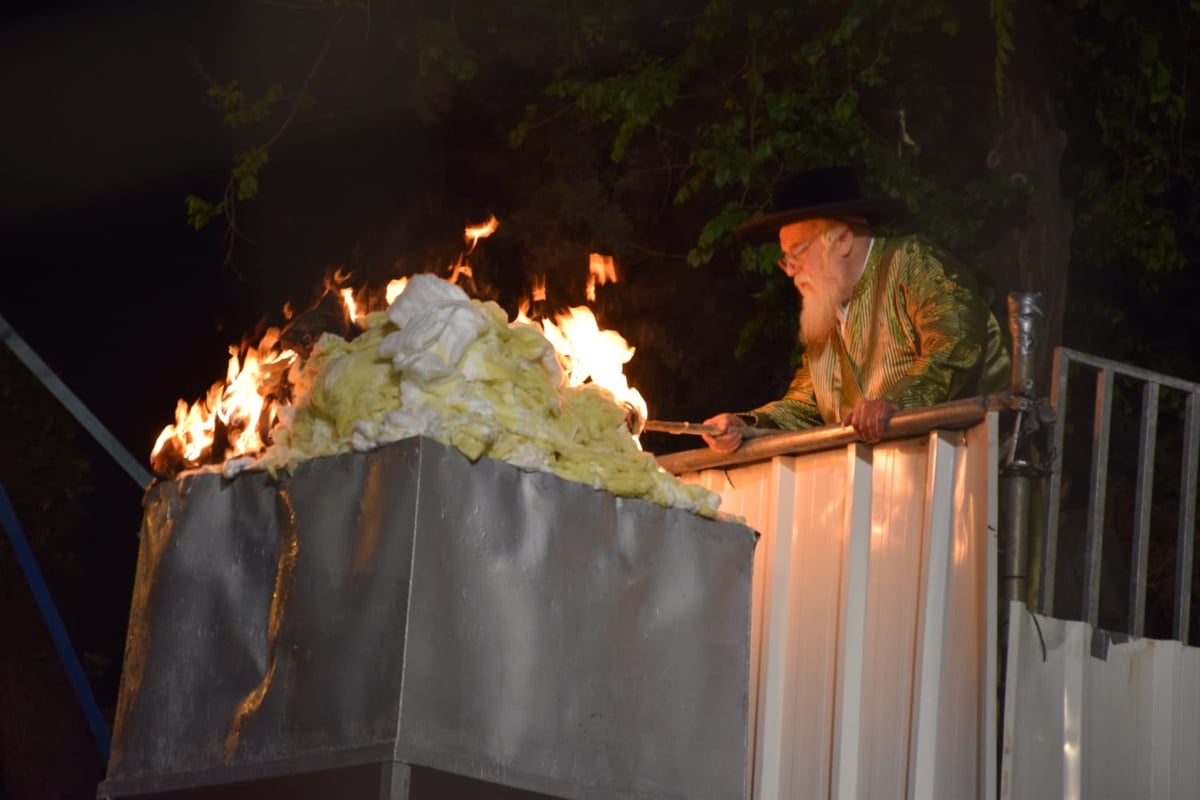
x=916, y=332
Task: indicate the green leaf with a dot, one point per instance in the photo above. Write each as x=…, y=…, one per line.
x=846, y=106
x=200, y=212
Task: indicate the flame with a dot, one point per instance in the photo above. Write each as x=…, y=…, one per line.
x=474, y=233
x=395, y=288
x=242, y=410
x=241, y=402
x=588, y=353
x=193, y=429
x=460, y=270
x=522, y=317
x=351, y=306
x=601, y=270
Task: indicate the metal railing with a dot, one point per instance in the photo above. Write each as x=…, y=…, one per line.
x=1152, y=382
x=10, y=525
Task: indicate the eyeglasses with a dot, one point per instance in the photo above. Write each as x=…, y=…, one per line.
x=792, y=256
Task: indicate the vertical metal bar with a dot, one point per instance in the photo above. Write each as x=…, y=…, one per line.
x=1187, y=519
x=1094, y=550
x=1141, y=510
x=1058, y=401
x=778, y=548
x=1014, y=542
x=58, y=631
x=395, y=781
x=992, y=647
x=931, y=622
x=848, y=734
x=1025, y=318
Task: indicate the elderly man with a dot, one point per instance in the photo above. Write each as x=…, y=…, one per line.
x=886, y=323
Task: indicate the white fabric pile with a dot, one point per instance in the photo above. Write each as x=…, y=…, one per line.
x=442, y=365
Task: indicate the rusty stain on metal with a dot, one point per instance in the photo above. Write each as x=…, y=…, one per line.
x=370, y=509
x=157, y=528
x=289, y=546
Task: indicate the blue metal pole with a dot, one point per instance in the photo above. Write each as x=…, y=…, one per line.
x=58, y=632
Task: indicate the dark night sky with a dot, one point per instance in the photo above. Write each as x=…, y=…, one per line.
x=106, y=281
x=109, y=137
x=106, y=131
x=104, y=277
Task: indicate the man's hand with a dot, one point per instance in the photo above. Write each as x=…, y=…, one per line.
x=869, y=418
x=730, y=438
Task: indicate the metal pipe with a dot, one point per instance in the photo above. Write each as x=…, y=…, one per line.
x=1058, y=402
x=9, y=336
x=1117, y=368
x=956, y=414
x=58, y=631
x=1014, y=535
x=1025, y=318
x=693, y=428
x=1185, y=546
x=1141, y=510
x=1094, y=548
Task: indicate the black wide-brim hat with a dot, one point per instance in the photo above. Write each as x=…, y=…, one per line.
x=824, y=193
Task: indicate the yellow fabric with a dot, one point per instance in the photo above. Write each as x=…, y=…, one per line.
x=503, y=397
x=916, y=333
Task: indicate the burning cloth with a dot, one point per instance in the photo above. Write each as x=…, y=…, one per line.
x=442, y=365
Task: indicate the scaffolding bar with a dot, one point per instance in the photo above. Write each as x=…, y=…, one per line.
x=1141, y=512
x=58, y=631
x=1187, y=519
x=1096, y=497
x=19, y=347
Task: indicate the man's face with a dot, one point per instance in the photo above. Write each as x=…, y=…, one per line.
x=806, y=257
x=812, y=263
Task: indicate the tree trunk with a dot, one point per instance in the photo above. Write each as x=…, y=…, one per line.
x=1029, y=150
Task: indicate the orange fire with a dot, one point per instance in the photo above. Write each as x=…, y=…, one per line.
x=537, y=289
x=242, y=403
x=601, y=270
x=242, y=410
x=474, y=233
x=351, y=306
x=588, y=353
x=395, y=288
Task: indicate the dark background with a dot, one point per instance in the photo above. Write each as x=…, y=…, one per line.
x=106, y=129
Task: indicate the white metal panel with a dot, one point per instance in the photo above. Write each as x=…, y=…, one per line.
x=897, y=552
x=1095, y=716
x=844, y=587
x=852, y=627
x=932, y=633
x=986, y=438
x=1176, y=720
x=810, y=681
x=1031, y=767
x=962, y=478
x=749, y=492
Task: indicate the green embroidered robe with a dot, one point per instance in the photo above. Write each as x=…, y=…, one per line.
x=916, y=332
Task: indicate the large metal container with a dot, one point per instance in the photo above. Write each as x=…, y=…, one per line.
x=406, y=606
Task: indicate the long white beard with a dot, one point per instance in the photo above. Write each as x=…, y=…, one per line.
x=818, y=313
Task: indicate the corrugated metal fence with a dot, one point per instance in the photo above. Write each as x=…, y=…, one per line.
x=874, y=616
x=1102, y=714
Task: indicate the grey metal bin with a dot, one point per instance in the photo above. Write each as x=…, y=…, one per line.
x=406, y=607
